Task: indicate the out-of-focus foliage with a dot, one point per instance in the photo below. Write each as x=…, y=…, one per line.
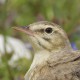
x=23, y=12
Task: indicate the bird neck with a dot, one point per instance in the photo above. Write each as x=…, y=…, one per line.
x=60, y=44
x=66, y=47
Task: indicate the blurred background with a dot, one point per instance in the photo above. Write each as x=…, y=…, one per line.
x=16, y=53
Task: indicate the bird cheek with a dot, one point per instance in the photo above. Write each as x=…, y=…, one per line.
x=33, y=41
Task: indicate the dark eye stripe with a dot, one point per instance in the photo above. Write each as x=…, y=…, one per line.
x=42, y=30
x=39, y=30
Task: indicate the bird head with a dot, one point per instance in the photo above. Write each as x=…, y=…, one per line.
x=46, y=36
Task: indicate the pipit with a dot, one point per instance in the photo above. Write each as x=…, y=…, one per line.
x=54, y=58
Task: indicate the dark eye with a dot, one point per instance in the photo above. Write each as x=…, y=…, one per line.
x=48, y=30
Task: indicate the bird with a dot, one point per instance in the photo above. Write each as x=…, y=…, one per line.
x=54, y=58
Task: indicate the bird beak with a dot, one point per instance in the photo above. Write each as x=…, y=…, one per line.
x=25, y=30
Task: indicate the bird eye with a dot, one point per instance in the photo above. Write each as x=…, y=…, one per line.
x=48, y=30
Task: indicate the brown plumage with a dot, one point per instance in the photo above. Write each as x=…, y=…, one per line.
x=54, y=59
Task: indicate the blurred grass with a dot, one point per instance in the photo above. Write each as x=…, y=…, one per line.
x=23, y=12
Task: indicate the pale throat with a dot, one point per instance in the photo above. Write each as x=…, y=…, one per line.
x=40, y=57
x=39, y=60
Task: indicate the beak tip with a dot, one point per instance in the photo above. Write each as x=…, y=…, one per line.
x=15, y=28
